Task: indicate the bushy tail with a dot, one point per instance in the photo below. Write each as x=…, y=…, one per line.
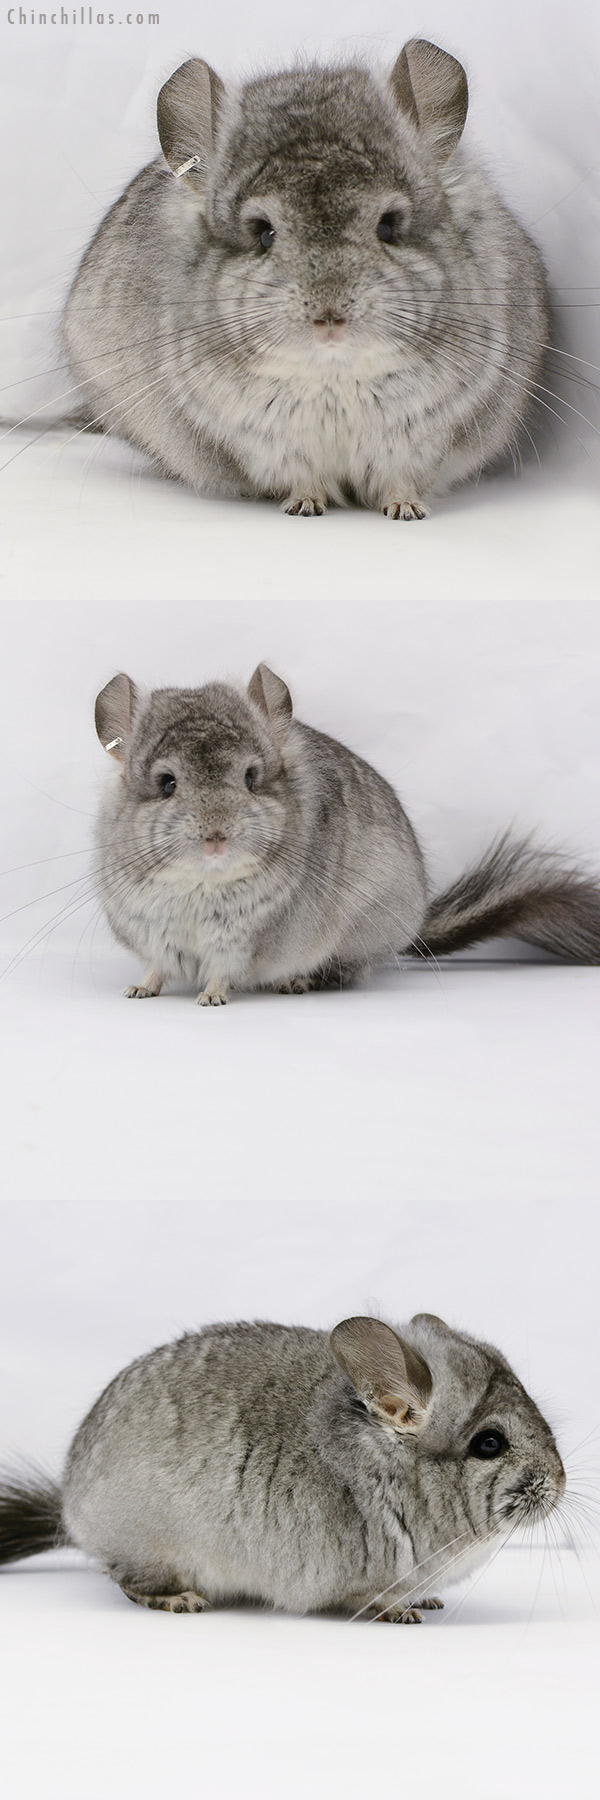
x=30, y=1517
x=517, y=891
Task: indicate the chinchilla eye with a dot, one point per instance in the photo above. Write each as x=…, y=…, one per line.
x=250, y=778
x=266, y=233
x=390, y=227
x=167, y=785
x=487, y=1444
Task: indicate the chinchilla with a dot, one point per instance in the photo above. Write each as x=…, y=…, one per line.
x=241, y=849
x=312, y=295
x=303, y=1471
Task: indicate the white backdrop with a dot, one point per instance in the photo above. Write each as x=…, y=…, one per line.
x=431, y=1143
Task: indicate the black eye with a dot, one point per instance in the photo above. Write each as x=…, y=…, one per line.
x=167, y=785
x=266, y=233
x=487, y=1444
x=389, y=227
x=250, y=778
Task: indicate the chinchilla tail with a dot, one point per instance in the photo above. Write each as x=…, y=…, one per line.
x=517, y=891
x=30, y=1516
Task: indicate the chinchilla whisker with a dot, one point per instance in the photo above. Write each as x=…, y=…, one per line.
x=94, y=922
x=372, y=901
x=127, y=404
x=38, y=937
x=104, y=360
x=575, y=1547
x=574, y=1517
x=555, y=1558
x=65, y=804
x=414, y=1570
x=409, y=1599
x=574, y=1497
x=584, y=1440
x=487, y=341
x=62, y=856
x=587, y=1499
x=535, y=397
x=469, y=338
x=80, y=899
x=586, y=1495
x=453, y=1612
x=46, y=312
x=77, y=879
x=38, y=898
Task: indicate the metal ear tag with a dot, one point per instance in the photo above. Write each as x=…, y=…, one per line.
x=193, y=162
x=114, y=743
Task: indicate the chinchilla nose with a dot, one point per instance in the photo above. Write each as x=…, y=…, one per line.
x=215, y=843
x=544, y=1486
x=330, y=325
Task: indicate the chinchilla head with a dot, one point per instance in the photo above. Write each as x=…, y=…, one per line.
x=202, y=776
x=473, y=1444
x=328, y=220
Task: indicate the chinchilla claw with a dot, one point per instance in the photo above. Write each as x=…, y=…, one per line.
x=304, y=506
x=405, y=509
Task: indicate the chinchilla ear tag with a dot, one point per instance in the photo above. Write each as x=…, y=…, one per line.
x=193, y=162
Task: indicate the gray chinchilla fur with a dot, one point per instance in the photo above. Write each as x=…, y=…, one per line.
x=241, y=849
x=302, y=1471
x=312, y=295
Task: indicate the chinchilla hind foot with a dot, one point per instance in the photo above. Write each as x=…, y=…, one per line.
x=410, y=1615
x=176, y=1603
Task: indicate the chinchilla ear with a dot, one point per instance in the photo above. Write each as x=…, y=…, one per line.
x=273, y=697
x=432, y=88
x=113, y=714
x=392, y=1379
x=430, y=1319
x=187, y=112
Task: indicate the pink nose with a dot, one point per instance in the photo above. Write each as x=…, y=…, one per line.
x=215, y=844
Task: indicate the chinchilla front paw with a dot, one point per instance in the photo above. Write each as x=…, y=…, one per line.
x=405, y=509
x=300, y=984
x=303, y=505
x=147, y=989
x=411, y=1615
x=393, y=1616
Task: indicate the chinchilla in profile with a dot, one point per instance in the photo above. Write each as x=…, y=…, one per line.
x=312, y=295
x=307, y=1472
x=241, y=849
